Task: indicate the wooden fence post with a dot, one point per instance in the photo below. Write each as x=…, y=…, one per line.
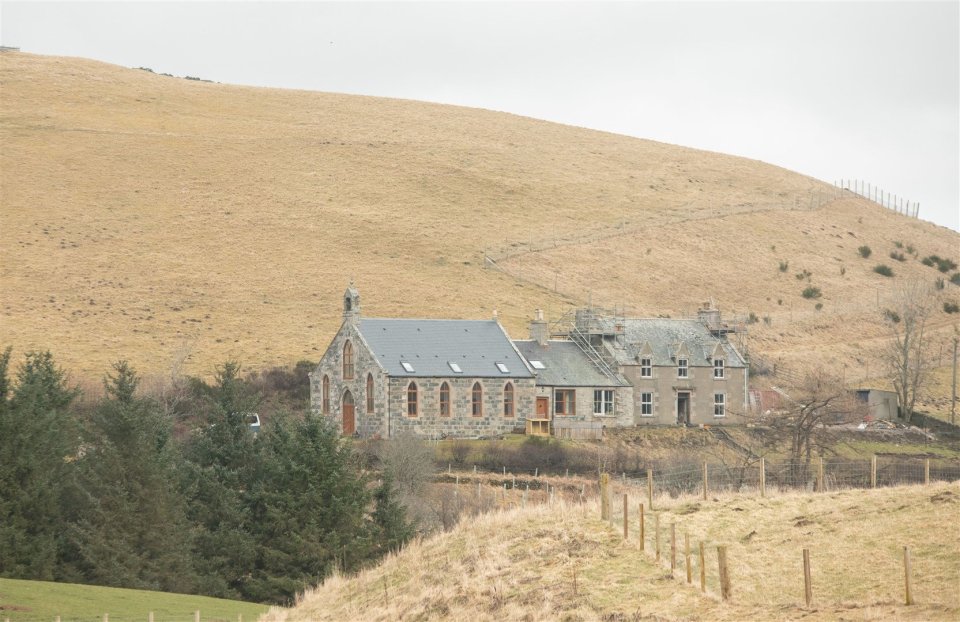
x=926, y=471
x=150, y=617
x=706, y=484
x=873, y=471
x=196, y=616
x=906, y=574
x=106, y=617
x=703, y=569
x=604, y=496
x=763, y=477
x=650, y=488
x=656, y=528
x=820, y=475
x=643, y=544
x=626, y=517
x=673, y=547
x=724, y=572
x=686, y=555
x=807, y=587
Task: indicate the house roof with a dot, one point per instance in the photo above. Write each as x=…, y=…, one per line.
x=564, y=365
x=665, y=337
x=430, y=346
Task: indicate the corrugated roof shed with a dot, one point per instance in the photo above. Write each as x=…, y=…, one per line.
x=565, y=365
x=430, y=346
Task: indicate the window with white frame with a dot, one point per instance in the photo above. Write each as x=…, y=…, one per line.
x=718, y=369
x=603, y=401
x=719, y=405
x=682, y=368
x=646, y=368
x=646, y=404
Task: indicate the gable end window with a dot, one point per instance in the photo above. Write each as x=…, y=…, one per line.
x=719, y=405
x=646, y=368
x=412, y=399
x=682, y=369
x=348, y=361
x=476, y=400
x=444, y=400
x=718, y=369
x=369, y=393
x=325, y=395
x=646, y=404
x=508, y=400
x=603, y=401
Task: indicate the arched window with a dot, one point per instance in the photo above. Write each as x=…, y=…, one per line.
x=508, y=400
x=325, y=395
x=444, y=400
x=369, y=393
x=348, y=361
x=476, y=400
x=412, y=399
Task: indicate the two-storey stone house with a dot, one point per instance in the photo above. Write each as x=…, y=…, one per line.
x=683, y=371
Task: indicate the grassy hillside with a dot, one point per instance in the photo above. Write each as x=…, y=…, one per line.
x=38, y=600
x=564, y=563
x=167, y=220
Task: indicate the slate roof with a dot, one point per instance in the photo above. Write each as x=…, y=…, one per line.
x=665, y=337
x=565, y=365
x=476, y=346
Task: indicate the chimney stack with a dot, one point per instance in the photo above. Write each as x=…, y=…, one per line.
x=538, y=328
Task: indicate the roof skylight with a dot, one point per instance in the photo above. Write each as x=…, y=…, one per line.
x=407, y=367
x=456, y=368
x=538, y=365
x=503, y=368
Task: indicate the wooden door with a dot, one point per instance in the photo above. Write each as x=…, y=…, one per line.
x=543, y=408
x=349, y=418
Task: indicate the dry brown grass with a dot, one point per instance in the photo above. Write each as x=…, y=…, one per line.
x=155, y=218
x=563, y=563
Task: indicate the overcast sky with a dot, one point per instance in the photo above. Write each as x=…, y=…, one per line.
x=836, y=90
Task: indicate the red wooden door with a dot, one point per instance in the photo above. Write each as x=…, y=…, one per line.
x=543, y=408
x=349, y=418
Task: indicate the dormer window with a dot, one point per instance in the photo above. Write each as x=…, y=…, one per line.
x=718, y=369
x=646, y=368
x=682, y=368
x=407, y=367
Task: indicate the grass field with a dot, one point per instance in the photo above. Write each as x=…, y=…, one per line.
x=22, y=601
x=564, y=563
x=179, y=224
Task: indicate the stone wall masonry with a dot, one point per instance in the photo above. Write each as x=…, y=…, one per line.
x=701, y=384
x=461, y=423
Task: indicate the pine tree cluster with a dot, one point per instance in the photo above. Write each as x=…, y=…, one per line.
x=107, y=494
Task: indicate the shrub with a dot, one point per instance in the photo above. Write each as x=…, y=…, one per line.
x=753, y=319
x=806, y=274
x=898, y=244
x=784, y=266
x=864, y=251
x=768, y=320
x=955, y=278
x=897, y=256
x=818, y=306
x=942, y=264
x=951, y=307
x=891, y=315
x=883, y=269
x=911, y=250
x=843, y=270
x=929, y=260
x=939, y=283
x=812, y=292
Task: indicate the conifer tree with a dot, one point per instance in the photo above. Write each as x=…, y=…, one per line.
x=130, y=527
x=38, y=445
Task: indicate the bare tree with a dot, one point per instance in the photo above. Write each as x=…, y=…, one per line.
x=913, y=303
x=812, y=408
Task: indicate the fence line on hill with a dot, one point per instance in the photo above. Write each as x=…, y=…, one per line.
x=881, y=197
